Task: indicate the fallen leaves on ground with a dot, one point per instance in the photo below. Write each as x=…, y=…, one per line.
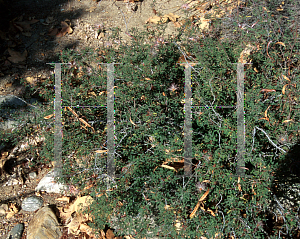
x=65, y=28
x=16, y=57
x=156, y=19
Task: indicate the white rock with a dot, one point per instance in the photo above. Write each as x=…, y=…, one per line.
x=49, y=185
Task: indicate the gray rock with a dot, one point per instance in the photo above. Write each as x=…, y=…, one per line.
x=44, y=225
x=11, y=101
x=32, y=204
x=9, y=124
x=49, y=185
x=16, y=232
x=2, y=211
x=32, y=175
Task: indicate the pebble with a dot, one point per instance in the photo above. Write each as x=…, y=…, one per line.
x=2, y=211
x=44, y=225
x=32, y=203
x=32, y=175
x=16, y=232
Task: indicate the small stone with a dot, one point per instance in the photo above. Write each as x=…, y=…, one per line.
x=12, y=181
x=16, y=232
x=32, y=175
x=44, y=225
x=32, y=204
x=2, y=211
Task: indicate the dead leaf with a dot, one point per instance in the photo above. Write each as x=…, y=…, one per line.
x=27, y=34
x=65, y=28
x=245, y=53
x=12, y=211
x=73, y=226
x=156, y=19
x=267, y=90
x=32, y=21
x=7, y=85
x=53, y=32
x=286, y=77
x=280, y=43
x=203, y=23
x=17, y=57
x=91, y=9
x=63, y=199
x=87, y=229
x=25, y=25
x=49, y=116
x=2, y=35
x=48, y=21
x=283, y=89
x=30, y=80
x=286, y=121
x=132, y=122
x=110, y=234
x=198, y=204
x=80, y=204
x=101, y=151
x=168, y=167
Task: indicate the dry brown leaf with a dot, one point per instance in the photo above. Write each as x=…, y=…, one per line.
x=30, y=80
x=65, y=28
x=155, y=19
x=23, y=26
x=7, y=85
x=286, y=121
x=91, y=9
x=285, y=77
x=132, y=122
x=27, y=34
x=53, y=32
x=73, y=226
x=203, y=23
x=12, y=211
x=267, y=90
x=2, y=35
x=48, y=21
x=283, y=89
x=245, y=53
x=172, y=17
x=280, y=43
x=101, y=151
x=17, y=57
x=266, y=112
x=49, y=116
x=87, y=229
x=110, y=234
x=168, y=167
x=80, y=203
x=102, y=233
x=63, y=199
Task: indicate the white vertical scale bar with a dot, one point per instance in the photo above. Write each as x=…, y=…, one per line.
x=58, y=122
x=240, y=170
x=110, y=121
x=188, y=154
